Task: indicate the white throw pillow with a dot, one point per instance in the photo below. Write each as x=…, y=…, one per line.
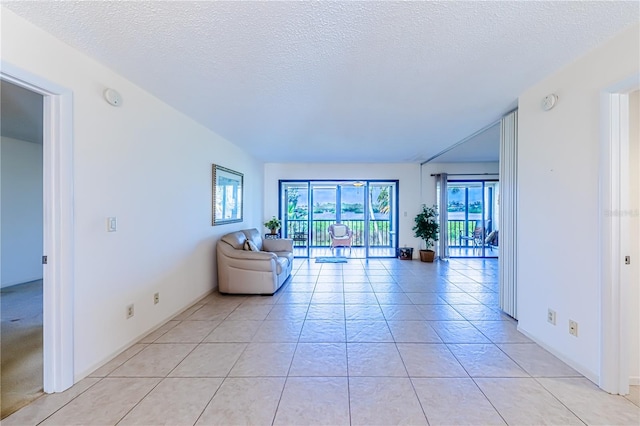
x=339, y=230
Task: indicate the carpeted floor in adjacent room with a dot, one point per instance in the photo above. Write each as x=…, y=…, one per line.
x=20, y=345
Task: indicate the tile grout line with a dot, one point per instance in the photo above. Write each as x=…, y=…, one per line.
x=67, y=403
x=402, y=278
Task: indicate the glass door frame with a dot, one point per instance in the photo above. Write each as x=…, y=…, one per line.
x=393, y=212
x=283, y=211
x=484, y=201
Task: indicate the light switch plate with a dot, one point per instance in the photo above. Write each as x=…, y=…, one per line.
x=112, y=224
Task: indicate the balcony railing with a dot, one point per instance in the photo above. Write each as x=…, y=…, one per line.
x=457, y=229
x=379, y=232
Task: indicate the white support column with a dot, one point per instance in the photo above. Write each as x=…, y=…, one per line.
x=443, y=201
x=508, y=208
x=613, y=193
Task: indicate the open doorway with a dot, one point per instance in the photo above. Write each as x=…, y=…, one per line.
x=57, y=225
x=21, y=279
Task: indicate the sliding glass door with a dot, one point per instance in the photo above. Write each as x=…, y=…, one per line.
x=382, y=219
x=324, y=198
x=368, y=208
x=473, y=218
x=294, y=202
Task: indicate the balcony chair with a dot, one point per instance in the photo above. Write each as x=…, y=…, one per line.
x=341, y=236
x=476, y=237
x=300, y=239
x=492, y=240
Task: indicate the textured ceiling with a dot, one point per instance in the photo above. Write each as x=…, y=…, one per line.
x=335, y=81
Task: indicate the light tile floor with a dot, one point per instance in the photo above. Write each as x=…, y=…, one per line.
x=380, y=342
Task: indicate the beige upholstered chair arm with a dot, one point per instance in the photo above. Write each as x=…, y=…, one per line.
x=279, y=245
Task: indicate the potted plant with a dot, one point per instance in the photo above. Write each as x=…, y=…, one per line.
x=427, y=228
x=273, y=224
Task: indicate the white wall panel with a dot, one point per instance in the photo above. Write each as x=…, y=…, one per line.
x=21, y=203
x=559, y=257
x=148, y=165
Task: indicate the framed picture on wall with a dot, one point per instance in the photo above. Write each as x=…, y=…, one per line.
x=227, y=195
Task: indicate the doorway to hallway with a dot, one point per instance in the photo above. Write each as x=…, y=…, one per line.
x=58, y=225
x=21, y=280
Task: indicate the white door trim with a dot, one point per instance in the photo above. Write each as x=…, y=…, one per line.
x=58, y=225
x=614, y=240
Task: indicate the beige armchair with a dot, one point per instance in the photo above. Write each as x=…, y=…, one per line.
x=247, y=264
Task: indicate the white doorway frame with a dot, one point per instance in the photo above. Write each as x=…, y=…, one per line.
x=58, y=241
x=615, y=241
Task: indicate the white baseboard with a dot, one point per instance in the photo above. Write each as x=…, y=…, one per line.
x=21, y=281
x=85, y=373
x=591, y=375
x=634, y=381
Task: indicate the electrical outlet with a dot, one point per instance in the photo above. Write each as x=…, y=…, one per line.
x=551, y=316
x=130, y=311
x=156, y=298
x=573, y=328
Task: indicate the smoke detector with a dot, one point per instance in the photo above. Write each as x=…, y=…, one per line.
x=113, y=97
x=549, y=101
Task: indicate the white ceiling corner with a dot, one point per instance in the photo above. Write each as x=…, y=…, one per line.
x=481, y=147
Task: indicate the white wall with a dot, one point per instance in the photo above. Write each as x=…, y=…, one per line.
x=407, y=174
x=21, y=203
x=634, y=169
x=558, y=176
x=148, y=165
x=429, y=182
